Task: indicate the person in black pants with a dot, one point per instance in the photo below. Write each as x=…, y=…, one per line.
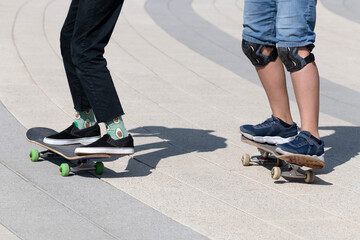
x=84, y=35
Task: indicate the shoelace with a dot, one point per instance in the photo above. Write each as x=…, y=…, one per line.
x=267, y=122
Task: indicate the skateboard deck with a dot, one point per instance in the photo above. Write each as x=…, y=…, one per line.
x=295, y=161
x=36, y=135
x=298, y=159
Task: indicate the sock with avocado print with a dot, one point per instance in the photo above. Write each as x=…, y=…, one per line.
x=84, y=119
x=116, y=128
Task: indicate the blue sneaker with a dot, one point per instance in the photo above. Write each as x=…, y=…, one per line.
x=304, y=144
x=271, y=131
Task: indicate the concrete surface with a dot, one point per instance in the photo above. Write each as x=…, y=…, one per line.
x=186, y=87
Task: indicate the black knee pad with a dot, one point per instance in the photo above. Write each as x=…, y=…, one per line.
x=253, y=52
x=292, y=61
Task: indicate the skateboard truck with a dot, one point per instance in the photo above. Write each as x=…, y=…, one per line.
x=264, y=158
x=293, y=172
x=65, y=169
x=83, y=165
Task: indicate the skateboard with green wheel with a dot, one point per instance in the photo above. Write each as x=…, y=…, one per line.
x=293, y=166
x=84, y=162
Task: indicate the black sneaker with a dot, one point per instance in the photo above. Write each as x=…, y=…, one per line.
x=107, y=145
x=73, y=135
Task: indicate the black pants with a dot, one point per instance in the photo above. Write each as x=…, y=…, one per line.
x=86, y=31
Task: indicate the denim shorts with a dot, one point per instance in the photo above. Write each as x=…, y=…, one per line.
x=285, y=23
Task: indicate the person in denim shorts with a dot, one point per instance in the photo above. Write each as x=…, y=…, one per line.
x=277, y=33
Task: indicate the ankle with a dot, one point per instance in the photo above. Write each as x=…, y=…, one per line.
x=313, y=133
x=317, y=136
x=84, y=119
x=284, y=119
x=116, y=128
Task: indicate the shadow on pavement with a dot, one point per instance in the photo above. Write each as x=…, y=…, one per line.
x=344, y=144
x=174, y=142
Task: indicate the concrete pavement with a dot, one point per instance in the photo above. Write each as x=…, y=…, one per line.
x=186, y=87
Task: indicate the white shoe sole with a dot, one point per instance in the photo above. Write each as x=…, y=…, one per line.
x=86, y=140
x=268, y=139
x=104, y=150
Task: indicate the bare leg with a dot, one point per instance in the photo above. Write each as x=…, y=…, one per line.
x=273, y=79
x=306, y=87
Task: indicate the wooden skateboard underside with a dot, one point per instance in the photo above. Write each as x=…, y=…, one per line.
x=37, y=135
x=298, y=159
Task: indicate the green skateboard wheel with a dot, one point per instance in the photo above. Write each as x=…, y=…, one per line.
x=64, y=169
x=99, y=168
x=34, y=155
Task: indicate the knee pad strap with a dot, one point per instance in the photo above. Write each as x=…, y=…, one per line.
x=253, y=52
x=292, y=61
